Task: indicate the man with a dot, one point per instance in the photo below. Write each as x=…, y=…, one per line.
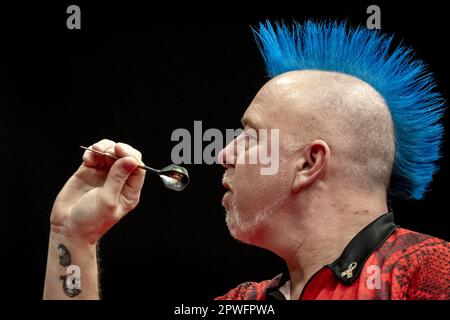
x=355, y=125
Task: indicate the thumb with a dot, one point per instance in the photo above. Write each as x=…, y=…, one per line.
x=117, y=177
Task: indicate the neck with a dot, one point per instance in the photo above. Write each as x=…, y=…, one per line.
x=311, y=234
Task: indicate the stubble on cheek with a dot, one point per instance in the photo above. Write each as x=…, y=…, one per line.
x=231, y=218
x=246, y=221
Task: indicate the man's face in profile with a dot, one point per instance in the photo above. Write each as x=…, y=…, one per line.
x=303, y=106
x=254, y=198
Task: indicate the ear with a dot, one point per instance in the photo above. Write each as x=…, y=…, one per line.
x=312, y=162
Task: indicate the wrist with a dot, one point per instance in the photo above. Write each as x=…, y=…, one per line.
x=71, y=260
x=60, y=236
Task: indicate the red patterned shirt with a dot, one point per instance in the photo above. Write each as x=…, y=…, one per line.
x=383, y=261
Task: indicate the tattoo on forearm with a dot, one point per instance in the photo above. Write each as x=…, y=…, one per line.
x=65, y=261
x=69, y=292
x=64, y=258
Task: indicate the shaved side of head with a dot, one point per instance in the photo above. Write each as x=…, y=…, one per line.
x=345, y=112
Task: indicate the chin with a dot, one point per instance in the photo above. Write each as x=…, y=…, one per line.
x=248, y=233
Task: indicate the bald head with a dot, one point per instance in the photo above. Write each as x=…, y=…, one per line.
x=345, y=112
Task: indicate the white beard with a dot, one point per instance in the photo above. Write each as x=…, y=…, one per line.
x=245, y=231
x=240, y=230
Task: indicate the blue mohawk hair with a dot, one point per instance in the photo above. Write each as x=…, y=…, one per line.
x=403, y=82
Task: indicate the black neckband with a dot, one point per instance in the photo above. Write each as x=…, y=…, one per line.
x=349, y=264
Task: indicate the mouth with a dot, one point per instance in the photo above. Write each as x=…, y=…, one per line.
x=226, y=185
x=226, y=182
x=225, y=199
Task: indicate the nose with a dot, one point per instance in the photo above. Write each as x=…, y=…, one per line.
x=227, y=156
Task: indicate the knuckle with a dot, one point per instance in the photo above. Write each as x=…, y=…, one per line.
x=130, y=204
x=106, y=141
x=117, y=177
x=110, y=150
x=97, y=146
x=104, y=144
x=130, y=150
x=124, y=145
x=109, y=204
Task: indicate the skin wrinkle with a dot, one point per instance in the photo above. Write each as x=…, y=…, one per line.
x=350, y=127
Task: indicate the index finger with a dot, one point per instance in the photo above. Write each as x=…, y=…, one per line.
x=92, y=159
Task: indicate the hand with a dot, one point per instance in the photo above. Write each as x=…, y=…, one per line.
x=99, y=193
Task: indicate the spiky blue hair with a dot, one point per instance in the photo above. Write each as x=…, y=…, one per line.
x=404, y=82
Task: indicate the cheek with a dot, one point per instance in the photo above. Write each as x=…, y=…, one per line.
x=246, y=178
x=254, y=191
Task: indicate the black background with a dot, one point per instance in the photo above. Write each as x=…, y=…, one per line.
x=134, y=74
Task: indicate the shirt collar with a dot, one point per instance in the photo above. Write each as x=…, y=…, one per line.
x=349, y=264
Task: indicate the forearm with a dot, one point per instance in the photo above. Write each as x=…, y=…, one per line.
x=72, y=271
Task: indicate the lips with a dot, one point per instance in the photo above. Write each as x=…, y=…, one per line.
x=226, y=182
x=227, y=186
x=225, y=199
